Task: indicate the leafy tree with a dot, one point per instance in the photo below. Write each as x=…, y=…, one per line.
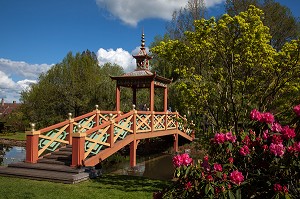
x=228, y=67
x=75, y=85
x=283, y=25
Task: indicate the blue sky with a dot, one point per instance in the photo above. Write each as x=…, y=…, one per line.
x=35, y=34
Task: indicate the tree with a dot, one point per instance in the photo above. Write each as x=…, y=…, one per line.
x=283, y=25
x=183, y=19
x=75, y=85
x=233, y=69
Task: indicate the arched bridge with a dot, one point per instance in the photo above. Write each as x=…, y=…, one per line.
x=97, y=135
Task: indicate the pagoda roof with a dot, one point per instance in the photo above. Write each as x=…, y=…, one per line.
x=141, y=79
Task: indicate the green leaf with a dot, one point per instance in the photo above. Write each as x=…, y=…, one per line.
x=230, y=194
x=206, y=189
x=238, y=194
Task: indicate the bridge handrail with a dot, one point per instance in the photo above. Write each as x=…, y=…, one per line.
x=51, y=137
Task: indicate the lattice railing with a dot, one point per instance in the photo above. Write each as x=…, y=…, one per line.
x=107, y=133
x=51, y=138
x=143, y=122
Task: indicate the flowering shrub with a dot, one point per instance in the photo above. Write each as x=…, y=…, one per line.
x=262, y=162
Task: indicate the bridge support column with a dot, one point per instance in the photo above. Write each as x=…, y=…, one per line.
x=175, y=142
x=133, y=147
x=78, y=149
x=32, y=143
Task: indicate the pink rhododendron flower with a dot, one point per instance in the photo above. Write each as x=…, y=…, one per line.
x=267, y=118
x=266, y=134
x=276, y=127
x=277, y=188
x=244, y=150
x=276, y=139
x=205, y=158
x=236, y=177
x=229, y=137
x=265, y=147
x=218, y=167
x=288, y=133
x=209, y=178
x=230, y=160
x=224, y=176
x=177, y=161
x=186, y=160
x=246, y=140
x=285, y=189
x=297, y=110
x=255, y=115
x=277, y=149
x=290, y=149
x=296, y=146
x=188, y=185
x=219, y=138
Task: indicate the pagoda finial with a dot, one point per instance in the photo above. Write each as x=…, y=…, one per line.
x=142, y=58
x=143, y=39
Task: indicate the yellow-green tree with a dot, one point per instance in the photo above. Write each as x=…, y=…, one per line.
x=227, y=67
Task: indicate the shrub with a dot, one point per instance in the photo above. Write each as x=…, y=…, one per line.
x=262, y=162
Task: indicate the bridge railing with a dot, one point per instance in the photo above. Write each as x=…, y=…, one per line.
x=49, y=139
x=97, y=130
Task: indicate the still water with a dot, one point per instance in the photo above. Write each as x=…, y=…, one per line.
x=9, y=154
x=156, y=166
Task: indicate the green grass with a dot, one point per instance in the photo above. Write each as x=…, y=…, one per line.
x=14, y=136
x=106, y=186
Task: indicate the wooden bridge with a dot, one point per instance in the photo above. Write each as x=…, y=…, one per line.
x=99, y=134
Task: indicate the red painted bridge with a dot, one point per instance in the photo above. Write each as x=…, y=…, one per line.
x=99, y=134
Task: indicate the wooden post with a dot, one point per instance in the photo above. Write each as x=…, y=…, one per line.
x=165, y=99
x=152, y=121
x=152, y=96
x=133, y=147
x=97, y=115
x=175, y=142
x=78, y=148
x=70, y=128
x=32, y=142
x=133, y=144
x=111, y=138
x=118, y=98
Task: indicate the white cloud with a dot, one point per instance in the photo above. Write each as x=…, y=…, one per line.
x=133, y=11
x=16, y=76
x=121, y=57
x=22, y=69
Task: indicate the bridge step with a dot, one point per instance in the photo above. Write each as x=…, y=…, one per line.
x=54, y=176
x=54, y=161
x=47, y=167
x=54, y=167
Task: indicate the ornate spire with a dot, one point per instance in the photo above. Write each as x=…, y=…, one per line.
x=142, y=58
x=143, y=40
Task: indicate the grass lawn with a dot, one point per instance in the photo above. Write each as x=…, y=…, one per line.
x=106, y=186
x=14, y=136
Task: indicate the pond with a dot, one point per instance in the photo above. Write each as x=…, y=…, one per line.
x=10, y=154
x=157, y=166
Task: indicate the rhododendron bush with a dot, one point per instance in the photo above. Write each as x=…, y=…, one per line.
x=261, y=162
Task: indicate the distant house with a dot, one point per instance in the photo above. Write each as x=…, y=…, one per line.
x=7, y=108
